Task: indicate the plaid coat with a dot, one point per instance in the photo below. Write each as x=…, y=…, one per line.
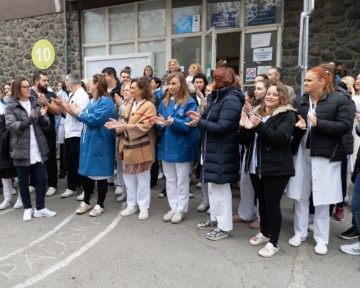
x=137, y=143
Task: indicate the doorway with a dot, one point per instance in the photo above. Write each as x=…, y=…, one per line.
x=228, y=47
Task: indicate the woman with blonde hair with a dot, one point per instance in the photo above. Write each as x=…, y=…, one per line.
x=177, y=144
x=194, y=69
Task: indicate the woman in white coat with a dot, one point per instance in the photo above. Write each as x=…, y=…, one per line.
x=324, y=117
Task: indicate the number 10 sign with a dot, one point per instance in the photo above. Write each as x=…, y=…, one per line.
x=43, y=54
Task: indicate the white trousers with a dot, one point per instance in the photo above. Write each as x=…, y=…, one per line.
x=177, y=185
x=120, y=175
x=7, y=189
x=247, y=196
x=220, y=199
x=301, y=213
x=205, y=192
x=138, y=190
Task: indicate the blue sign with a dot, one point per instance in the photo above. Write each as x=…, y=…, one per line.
x=224, y=20
x=184, y=24
x=261, y=15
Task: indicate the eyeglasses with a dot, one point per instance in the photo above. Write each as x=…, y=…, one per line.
x=26, y=87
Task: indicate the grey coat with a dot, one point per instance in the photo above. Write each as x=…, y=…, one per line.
x=18, y=123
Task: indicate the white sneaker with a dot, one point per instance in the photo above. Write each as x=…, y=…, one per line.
x=208, y=211
x=5, y=204
x=44, y=213
x=129, y=211
x=14, y=192
x=81, y=197
x=321, y=248
x=296, y=240
x=68, y=193
x=177, y=218
x=161, y=176
x=202, y=207
x=191, y=195
x=258, y=239
x=118, y=191
x=268, y=251
x=27, y=214
x=351, y=249
x=18, y=203
x=31, y=189
x=198, y=185
x=96, y=211
x=121, y=198
x=144, y=214
x=167, y=217
x=51, y=191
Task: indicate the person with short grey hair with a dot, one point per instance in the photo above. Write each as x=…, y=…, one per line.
x=73, y=128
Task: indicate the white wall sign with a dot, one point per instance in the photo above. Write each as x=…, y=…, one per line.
x=260, y=40
x=262, y=54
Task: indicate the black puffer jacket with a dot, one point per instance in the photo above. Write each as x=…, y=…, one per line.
x=18, y=123
x=335, y=117
x=273, y=143
x=219, y=125
x=348, y=138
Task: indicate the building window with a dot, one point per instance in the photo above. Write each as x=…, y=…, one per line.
x=122, y=23
x=94, y=26
x=186, y=16
x=222, y=14
x=158, y=50
x=95, y=51
x=263, y=12
x=151, y=19
x=118, y=49
x=186, y=51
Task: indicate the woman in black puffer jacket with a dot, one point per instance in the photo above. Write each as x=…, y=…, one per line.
x=325, y=116
x=267, y=133
x=220, y=149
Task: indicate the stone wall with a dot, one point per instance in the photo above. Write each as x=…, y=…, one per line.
x=17, y=38
x=333, y=36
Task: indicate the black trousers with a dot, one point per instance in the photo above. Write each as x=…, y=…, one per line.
x=269, y=190
x=88, y=186
x=51, y=165
x=72, y=154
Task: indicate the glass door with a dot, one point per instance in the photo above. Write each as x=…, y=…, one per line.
x=209, y=62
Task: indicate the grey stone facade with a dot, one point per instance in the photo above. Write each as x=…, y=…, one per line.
x=17, y=38
x=333, y=36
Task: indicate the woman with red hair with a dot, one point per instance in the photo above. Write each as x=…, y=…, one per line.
x=220, y=150
x=324, y=117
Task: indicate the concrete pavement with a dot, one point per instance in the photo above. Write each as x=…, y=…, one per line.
x=113, y=251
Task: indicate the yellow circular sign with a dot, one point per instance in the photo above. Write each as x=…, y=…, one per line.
x=43, y=54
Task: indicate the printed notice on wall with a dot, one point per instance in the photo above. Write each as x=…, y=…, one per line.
x=263, y=69
x=262, y=54
x=260, y=40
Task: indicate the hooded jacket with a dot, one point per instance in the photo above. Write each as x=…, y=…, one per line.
x=219, y=126
x=272, y=144
x=18, y=123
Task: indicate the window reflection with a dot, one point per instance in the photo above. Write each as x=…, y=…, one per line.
x=94, y=26
x=121, y=21
x=151, y=19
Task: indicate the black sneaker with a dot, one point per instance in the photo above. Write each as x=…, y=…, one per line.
x=207, y=225
x=351, y=233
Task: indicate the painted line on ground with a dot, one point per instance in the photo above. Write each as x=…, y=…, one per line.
x=51, y=232
x=71, y=257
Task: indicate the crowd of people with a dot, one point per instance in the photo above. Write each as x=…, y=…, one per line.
x=131, y=132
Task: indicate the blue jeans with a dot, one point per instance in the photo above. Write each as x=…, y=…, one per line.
x=23, y=173
x=356, y=202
